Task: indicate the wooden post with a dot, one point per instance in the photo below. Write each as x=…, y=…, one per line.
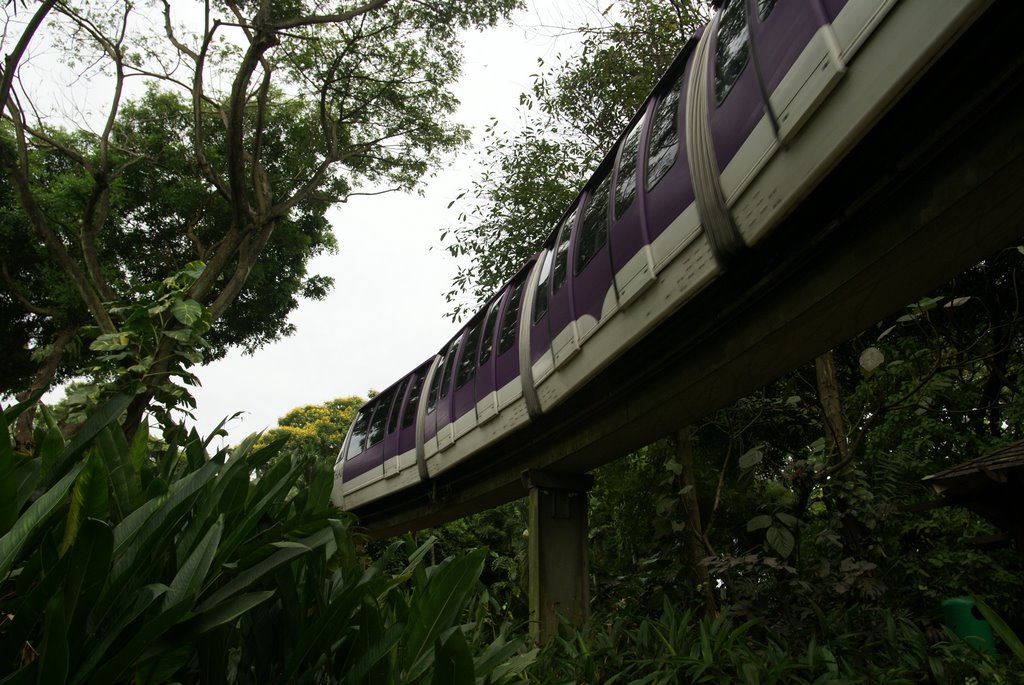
x=559, y=568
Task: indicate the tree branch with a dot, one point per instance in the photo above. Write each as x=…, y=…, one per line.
x=12, y=60
x=337, y=18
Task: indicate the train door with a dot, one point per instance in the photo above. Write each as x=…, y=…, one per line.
x=356, y=466
x=464, y=394
x=593, y=291
x=632, y=261
x=565, y=341
x=377, y=430
x=539, y=362
x=734, y=100
x=486, y=385
x=767, y=66
x=506, y=364
x=668, y=198
x=410, y=409
x=364, y=455
x=430, y=423
x=391, y=432
x=445, y=399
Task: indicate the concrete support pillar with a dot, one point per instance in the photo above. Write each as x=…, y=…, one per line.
x=559, y=569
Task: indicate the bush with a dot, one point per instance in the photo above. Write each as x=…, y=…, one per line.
x=151, y=561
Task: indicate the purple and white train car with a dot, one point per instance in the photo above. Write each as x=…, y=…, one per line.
x=705, y=170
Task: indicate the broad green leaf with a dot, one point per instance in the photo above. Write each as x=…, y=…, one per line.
x=12, y=413
x=515, y=664
x=435, y=608
x=192, y=575
x=23, y=611
x=271, y=489
x=49, y=449
x=194, y=270
x=1004, y=631
x=37, y=514
x=53, y=652
x=781, y=540
x=130, y=655
x=325, y=628
x=159, y=670
x=139, y=448
x=788, y=519
x=97, y=421
x=89, y=562
x=751, y=458
x=8, y=481
x=453, y=662
x=139, y=534
x=758, y=522
x=179, y=334
x=26, y=478
x=110, y=632
x=226, y=612
x=187, y=312
x=110, y=342
x=370, y=655
x=250, y=575
x=126, y=485
x=88, y=499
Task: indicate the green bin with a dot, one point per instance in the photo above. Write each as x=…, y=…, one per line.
x=961, y=615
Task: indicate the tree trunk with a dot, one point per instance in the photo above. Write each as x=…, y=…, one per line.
x=696, y=543
x=839, y=452
x=41, y=381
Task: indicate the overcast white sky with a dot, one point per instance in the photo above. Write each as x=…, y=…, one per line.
x=387, y=311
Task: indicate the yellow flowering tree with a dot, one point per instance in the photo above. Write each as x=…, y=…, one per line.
x=314, y=433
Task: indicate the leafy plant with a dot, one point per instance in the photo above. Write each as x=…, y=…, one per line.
x=147, y=561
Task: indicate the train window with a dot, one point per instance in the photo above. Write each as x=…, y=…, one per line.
x=765, y=7
x=511, y=318
x=487, y=343
x=594, y=231
x=409, y=413
x=663, y=143
x=540, y=304
x=625, y=182
x=380, y=416
x=449, y=359
x=732, y=47
x=467, y=365
x=562, y=253
x=396, y=407
x=357, y=442
x=435, y=385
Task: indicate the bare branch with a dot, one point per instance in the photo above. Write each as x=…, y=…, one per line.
x=13, y=59
x=337, y=18
x=29, y=306
x=169, y=30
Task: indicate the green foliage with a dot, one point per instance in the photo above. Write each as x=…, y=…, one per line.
x=678, y=647
x=256, y=119
x=124, y=361
x=153, y=562
x=503, y=531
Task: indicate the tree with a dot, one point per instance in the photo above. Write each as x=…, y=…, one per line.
x=256, y=118
x=314, y=434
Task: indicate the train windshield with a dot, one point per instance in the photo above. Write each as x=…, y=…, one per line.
x=357, y=442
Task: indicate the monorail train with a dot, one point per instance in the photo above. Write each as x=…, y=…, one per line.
x=707, y=167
